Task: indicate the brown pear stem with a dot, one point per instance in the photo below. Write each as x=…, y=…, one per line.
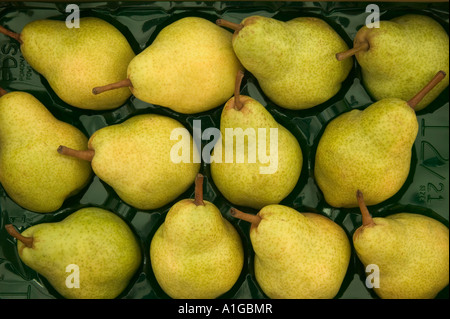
x=86, y=155
x=237, y=88
x=199, y=190
x=253, y=219
x=15, y=36
x=419, y=96
x=112, y=86
x=27, y=241
x=346, y=54
x=229, y=24
x=366, y=218
x=2, y=92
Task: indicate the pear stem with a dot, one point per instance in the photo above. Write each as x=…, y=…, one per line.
x=228, y=24
x=366, y=218
x=2, y=92
x=346, y=54
x=112, y=86
x=15, y=36
x=86, y=155
x=419, y=96
x=237, y=88
x=253, y=219
x=27, y=241
x=199, y=190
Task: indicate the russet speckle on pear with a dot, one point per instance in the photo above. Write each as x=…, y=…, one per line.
x=97, y=241
x=32, y=172
x=74, y=60
x=294, y=61
x=403, y=56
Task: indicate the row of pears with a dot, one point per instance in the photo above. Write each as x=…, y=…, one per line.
x=191, y=64
x=368, y=150
x=196, y=253
x=43, y=160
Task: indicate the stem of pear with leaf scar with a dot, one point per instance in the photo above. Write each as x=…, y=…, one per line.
x=366, y=217
x=346, y=54
x=27, y=241
x=237, y=88
x=421, y=94
x=198, y=201
x=86, y=155
x=228, y=24
x=253, y=219
x=15, y=36
x=112, y=86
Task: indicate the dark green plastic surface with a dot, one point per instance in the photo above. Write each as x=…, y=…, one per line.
x=425, y=191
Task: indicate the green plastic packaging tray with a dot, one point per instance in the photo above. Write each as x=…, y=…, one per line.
x=425, y=191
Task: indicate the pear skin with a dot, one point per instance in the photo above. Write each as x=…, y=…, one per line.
x=294, y=256
x=196, y=253
x=97, y=241
x=32, y=172
x=410, y=250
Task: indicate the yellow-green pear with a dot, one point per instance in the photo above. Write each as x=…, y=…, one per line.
x=196, y=253
x=257, y=162
x=189, y=68
x=401, y=56
x=32, y=172
x=293, y=61
x=410, y=252
x=91, y=254
x=139, y=159
x=369, y=150
x=74, y=60
x=297, y=255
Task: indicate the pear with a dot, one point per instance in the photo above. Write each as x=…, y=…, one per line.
x=294, y=61
x=401, y=56
x=255, y=181
x=74, y=60
x=196, y=253
x=32, y=172
x=410, y=250
x=297, y=255
x=189, y=68
x=135, y=158
x=369, y=150
x=98, y=246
